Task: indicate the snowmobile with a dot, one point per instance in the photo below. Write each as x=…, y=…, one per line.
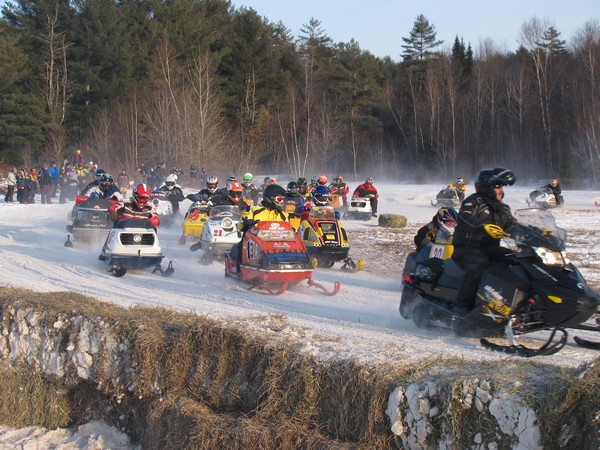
x=273, y=257
x=219, y=234
x=194, y=220
x=91, y=221
x=448, y=197
x=359, y=208
x=326, y=239
x=133, y=244
x=534, y=288
x=542, y=198
x=163, y=207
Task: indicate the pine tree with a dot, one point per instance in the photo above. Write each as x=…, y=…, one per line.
x=422, y=40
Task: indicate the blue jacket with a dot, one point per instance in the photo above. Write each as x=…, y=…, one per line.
x=54, y=172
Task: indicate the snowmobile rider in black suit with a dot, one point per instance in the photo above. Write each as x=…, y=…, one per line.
x=98, y=176
x=554, y=186
x=172, y=191
x=481, y=221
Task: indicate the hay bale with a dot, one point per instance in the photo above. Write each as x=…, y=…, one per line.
x=392, y=221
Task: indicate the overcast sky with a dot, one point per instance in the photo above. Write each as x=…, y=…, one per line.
x=379, y=25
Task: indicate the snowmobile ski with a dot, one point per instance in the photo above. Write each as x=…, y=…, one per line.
x=585, y=343
x=549, y=348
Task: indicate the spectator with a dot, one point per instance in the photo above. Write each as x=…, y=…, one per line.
x=54, y=177
x=45, y=182
x=11, y=183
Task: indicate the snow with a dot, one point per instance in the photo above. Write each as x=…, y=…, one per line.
x=361, y=322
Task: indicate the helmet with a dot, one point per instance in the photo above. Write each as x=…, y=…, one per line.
x=273, y=197
x=293, y=187
x=339, y=179
x=320, y=195
x=554, y=182
x=141, y=195
x=460, y=181
x=230, y=178
x=248, y=177
x=322, y=179
x=170, y=181
x=266, y=180
x=98, y=173
x=272, y=180
x=301, y=181
x=369, y=181
x=446, y=219
x=211, y=184
x=488, y=179
x=234, y=191
x=105, y=182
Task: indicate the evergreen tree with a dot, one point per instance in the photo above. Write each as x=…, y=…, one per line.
x=422, y=40
x=551, y=42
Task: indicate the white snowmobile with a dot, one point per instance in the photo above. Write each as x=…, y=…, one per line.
x=91, y=221
x=542, y=197
x=133, y=244
x=219, y=234
x=359, y=208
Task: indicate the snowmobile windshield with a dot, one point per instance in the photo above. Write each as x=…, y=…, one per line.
x=223, y=211
x=535, y=229
x=322, y=212
x=277, y=235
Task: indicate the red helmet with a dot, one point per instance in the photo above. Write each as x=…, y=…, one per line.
x=141, y=195
x=234, y=191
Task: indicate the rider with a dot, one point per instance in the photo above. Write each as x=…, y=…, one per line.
x=445, y=219
x=338, y=187
x=137, y=207
x=554, y=186
x=232, y=195
x=320, y=196
x=367, y=190
x=303, y=187
x=460, y=187
x=271, y=209
x=106, y=189
x=94, y=183
x=172, y=191
x=212, y=184
x=251, y=190
x=481, y=221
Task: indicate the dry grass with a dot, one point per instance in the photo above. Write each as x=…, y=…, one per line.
x=32, y=398
x=200, y=383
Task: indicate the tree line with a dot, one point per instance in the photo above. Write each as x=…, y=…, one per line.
x=199, y=82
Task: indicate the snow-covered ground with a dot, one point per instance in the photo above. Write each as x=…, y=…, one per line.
x=361, y=322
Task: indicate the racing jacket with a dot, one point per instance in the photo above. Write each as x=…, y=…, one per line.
x=476, y=211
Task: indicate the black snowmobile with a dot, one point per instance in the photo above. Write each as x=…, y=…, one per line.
x=91, y=221
x=534, y=288
x=448, y=197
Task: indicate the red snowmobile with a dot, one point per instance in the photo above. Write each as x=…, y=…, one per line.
x=273, y=257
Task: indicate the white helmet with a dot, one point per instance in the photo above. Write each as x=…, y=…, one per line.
x=170, y=181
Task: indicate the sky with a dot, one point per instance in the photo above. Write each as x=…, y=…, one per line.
x=379, y=25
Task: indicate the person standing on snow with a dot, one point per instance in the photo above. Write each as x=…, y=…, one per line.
x=11, y=183
x=54, y=172
x=481, y=221
x=45, y=185
x=367, y=190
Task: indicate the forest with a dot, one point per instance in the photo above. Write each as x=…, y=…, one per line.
x=199, y=82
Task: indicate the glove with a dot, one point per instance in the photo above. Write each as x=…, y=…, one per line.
x=247, y=223
x=430, y=236
x=494, y=231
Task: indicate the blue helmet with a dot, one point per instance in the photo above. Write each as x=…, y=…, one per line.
x=320, y=195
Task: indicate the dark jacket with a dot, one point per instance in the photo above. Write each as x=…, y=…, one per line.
x=476, y=211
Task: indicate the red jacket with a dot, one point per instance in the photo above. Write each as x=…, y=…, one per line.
x=364, y=190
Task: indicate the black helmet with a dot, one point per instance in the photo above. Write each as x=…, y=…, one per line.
x=273, y=196
x=99, y=173
x=293, y=187
x=105, y=182
x=487, y=179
